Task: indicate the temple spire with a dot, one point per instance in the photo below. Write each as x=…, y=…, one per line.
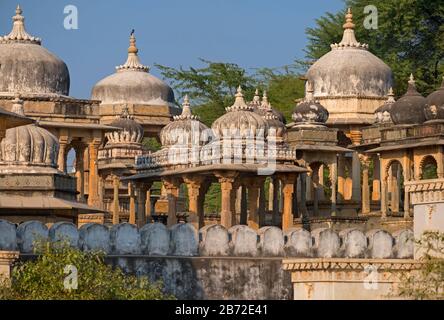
x=186, y=111
x=18, y=32
x=411, y=89
x=17, y=105
x=348, y=37
x=132, y=62
x=391, y=95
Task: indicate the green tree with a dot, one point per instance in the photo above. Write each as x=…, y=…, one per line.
x=43, y=278
x=428, y=282
x=409, y=38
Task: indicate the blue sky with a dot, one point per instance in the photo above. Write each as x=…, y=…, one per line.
x=251, y=33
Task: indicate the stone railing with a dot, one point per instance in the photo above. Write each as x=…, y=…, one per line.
x=425, y=191
x=211, y=241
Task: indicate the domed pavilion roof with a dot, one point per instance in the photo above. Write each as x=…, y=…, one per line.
x=409, y=109
x=349, y=69
x=434, y=109
x=309, y=111
x=132, y=131
x=27, y=67
x=382, y=114
x=28, y=146
x=132, y=83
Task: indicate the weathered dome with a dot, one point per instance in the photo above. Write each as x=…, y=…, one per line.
x=264, y=107
x=132, y=83
x=185, y=129
x=240, y=120
x=434, y=108
x=132, y=131
x=349, y=69
x=28, y=145
x=276, y=127
x=409, y=109
x=382, y=114
x=309, y=111
x=27, y=67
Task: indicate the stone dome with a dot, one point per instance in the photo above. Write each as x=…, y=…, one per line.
x=382, y=114
x=434, y=108
x=28, y=145
x=185, y=129
x=27, y=67
x=309, y=111
x=239, y=120
x=409, y=109
x=132, y=83
x=132, y=131
x=349, y=69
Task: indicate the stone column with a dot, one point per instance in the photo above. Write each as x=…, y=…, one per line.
x=141, y=189
x=356, y=176
x=303, y=202
x=287, y=182
x=394, y=188
x=376, y=192
x=194, y=185
x=7, y=258
x=116, y=207
x=93, y=194
x=384, y=197
x=320, y=188
x=172, y=191
x=270, y=195
x=333, y=179
x=80, y=172
x=61, y=160
x=226, y=180
x=253, y=194
x=365, y=184
x=315, y=182
x=244, y=206
x=132, y=203
x=341, y=177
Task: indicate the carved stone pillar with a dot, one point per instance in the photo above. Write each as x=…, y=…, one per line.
x=365, y=161
x=132, y=203
x=116, y=206
x=288, y=183
x=394, y=187
x=303, y=202
x=376, y=192
x=61, y=160
x=384, y=197
x=341, y=177
x=226, y=180
x=141, y=189
x=80, y=171
x=172, y=190
x=356, y=176
x=333, y=179
x=253, y=194
x=93, y=192
x=194, y=185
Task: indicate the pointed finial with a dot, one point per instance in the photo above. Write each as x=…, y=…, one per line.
x=17, y=105
x=125, y=113
x=349, y=20
x=265, y=103
x=256, y=99
x=18, y=32
x=186, y=111
x=239, y=102
x=411, y=89
x=411, y=79
x=132, y=62
x=391, y=95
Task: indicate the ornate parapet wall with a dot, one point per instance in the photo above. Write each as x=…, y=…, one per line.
x=212, y=263
x=428, y=206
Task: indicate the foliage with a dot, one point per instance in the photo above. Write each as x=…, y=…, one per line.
x=43, y=278
x=151, y=144
x=409, y=38
x=428, y=282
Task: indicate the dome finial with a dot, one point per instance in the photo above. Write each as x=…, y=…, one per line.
x=265, y=102
x=348, y=38
x=132, y=62
x=256, y=99
x=186, y=111
x=18, y=32
x=17, y=105
x=391, y=95
x=239, y=102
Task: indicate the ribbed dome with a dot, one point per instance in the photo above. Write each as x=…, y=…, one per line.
x=409, y=109
x=185, y=129
x=349, y=69
x=132, y=84
x=382, y=114
x=240, y=120
x=435, y=104
x=27, y=67
x=132, y=131
x=28, y=145
x=309, y=111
